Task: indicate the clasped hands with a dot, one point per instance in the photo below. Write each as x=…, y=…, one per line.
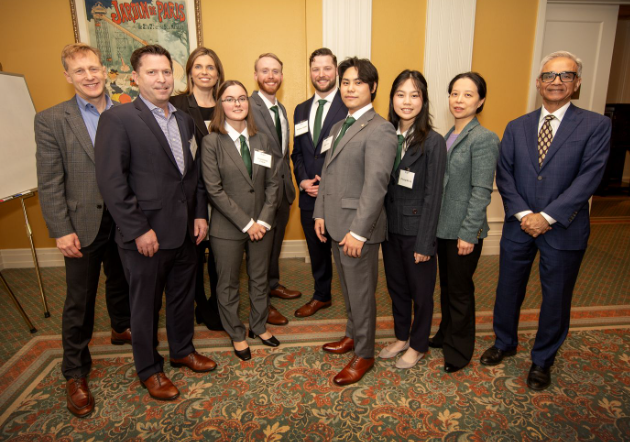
x=534, y=224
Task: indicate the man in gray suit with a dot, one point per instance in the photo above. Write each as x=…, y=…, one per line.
x=77, y=217
x=350, y=206
x=271, y=119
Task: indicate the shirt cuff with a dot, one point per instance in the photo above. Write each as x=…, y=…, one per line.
x=549, y=219
x=249, y=224
x=519, y=216
x=264, y=224
x=360, y=238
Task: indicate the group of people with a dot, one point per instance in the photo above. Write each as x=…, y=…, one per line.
x=167, y=183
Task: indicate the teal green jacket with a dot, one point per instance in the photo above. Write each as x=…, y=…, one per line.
x=468, y=180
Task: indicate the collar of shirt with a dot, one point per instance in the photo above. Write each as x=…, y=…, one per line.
x=153, y=108
x=83, y=104
x=329, y=98
x=404, y=134
x=234, y=135
x=358, y=114
x=267, y=102
x=559, y=114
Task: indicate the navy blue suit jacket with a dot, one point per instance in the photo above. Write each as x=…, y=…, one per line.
x=308, y=160
x=570, y=174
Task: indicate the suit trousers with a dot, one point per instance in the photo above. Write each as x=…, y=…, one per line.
x=282, y=219
x=457, y=328
x=82, y=275
x=171, y=272
x=229, y=257
x=409, y=285
x=321, y=257
x=558, y=273
x=207, y=310
x=358, y=278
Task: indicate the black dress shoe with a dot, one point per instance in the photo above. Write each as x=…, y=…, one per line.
x=450, y=368
x=494, y=356
x=434, y=344
x=539, y=378
x=271, y=342
x=245, y=355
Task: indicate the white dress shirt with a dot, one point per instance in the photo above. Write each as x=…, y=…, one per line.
x=311, y=119
x=283, y=121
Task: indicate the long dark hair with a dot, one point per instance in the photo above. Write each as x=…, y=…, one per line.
x=422, y=124
x=218, y=120
x=194, y=55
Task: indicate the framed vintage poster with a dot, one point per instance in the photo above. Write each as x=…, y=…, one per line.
x=118, y=27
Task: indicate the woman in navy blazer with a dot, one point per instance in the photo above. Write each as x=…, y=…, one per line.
x=412, y=204
x=471, y=161
x=204, y=74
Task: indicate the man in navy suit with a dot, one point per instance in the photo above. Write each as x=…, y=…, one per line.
x=313, y=120
x=550, y=164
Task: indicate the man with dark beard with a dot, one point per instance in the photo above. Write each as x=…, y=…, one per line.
x=271, y=119
x=313, y=120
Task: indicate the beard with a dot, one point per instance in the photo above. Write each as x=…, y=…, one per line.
x=331, y=84
x=271, y=90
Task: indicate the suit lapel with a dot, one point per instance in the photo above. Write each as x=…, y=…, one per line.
x=352, y=131
x=76, y=123
x=305, y=116
x=331, y=118
x=531, y=136
x=195, y=113
x=568, y=125
x=264, y=111
x=183, y=133
x=227, y=144
x=149, y=119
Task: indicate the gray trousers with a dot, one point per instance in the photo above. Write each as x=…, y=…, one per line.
x=282, y=219
x=358, y=277
x=228, y=255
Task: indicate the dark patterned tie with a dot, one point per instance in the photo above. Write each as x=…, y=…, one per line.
x=401, y=141
x=318, y=121
x=275, y=111
x=346, y=124
x=545, y=137
x=247, y=157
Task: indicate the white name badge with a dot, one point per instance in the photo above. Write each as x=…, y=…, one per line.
x=301, y=128
x=262, y=159
x=327, y=144
x=405, y=179
x=193, y=147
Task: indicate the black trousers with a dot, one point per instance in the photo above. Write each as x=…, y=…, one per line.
x=207, y=310
x=321, y=257
x=410, y=286
x=457, y=329
x=172, y=272
x=82, y=275
x=282, y=219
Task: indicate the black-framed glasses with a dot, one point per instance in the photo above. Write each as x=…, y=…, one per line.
x=231, y=100
x=565, y=77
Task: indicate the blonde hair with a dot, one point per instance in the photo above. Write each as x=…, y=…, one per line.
x=268, y=55
x=71, y=50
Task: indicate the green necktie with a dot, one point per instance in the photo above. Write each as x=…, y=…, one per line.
x=401, y=141
x=247, y=158
x=346, y=124
x=318, y=121
x=274, y=109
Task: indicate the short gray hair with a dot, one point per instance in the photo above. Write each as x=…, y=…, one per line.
x=562, y=54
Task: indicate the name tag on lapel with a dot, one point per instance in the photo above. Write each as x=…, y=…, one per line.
x=193, y=148
x=262, y=159
x=405, y=179
x=301, y=128
x=327, y=144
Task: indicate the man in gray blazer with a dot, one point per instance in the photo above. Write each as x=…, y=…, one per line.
x=271, y=119
x=77, y=217
x=350, y=206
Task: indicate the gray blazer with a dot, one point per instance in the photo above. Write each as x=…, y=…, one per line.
x=354, y=179
x=415, y=212
x=66, y=174
x=237, y=197
x=468, y=184
x=265, y=124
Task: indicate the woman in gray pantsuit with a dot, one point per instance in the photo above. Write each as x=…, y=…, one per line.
x=463, y=224
x=242, y=184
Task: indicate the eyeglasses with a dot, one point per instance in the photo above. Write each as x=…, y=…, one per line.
x=232, y=100
x=565, y=77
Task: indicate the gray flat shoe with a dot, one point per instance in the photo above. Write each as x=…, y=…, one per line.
x=400, y=363
x=388, y=354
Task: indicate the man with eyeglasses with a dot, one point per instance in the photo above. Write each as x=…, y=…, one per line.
x=551, y=161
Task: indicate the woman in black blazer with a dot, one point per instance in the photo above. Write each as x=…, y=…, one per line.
x=412, y=204
x=204, y=73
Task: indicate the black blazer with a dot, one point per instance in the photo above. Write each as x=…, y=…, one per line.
x=308, y=160
x=415, y=212
x=139, y=179
x=188, y=104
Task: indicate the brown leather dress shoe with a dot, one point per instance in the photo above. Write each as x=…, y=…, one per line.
x=285, y=293
x=354, y=371
x=311, y=307
x=340, y=347
x=196, y=362
x=121, y=338
x=160, y=387
x=275, y=317
x=79, y=400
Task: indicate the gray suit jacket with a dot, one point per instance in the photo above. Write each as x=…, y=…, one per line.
x=355, y=177
x=468, y=182
x=237, y=197
x=265, y=124
x=66, y=174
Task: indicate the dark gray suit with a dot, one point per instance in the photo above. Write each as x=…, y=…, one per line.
x=266, y=125
x=237, y=199
x=350, y=199
x=71, y=203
